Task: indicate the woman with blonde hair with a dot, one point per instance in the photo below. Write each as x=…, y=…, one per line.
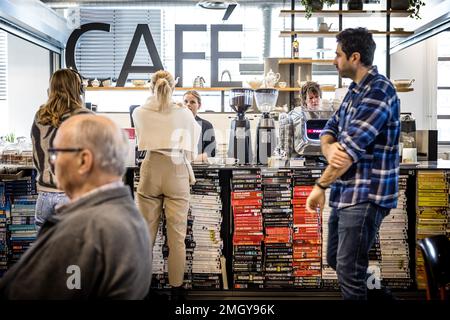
x=64, y=100
x=169, y=134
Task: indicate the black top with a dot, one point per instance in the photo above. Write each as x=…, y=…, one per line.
x=207, y=142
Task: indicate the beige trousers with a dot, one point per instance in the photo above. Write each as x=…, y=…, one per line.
x=165, y=184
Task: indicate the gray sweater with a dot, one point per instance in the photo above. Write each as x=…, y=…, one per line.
x=104, y=235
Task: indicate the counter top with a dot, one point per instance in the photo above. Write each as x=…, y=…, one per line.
x=30, y=167
x=423, y=165
x=427, y=165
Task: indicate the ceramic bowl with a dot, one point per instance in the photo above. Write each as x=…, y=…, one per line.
x=255, y=84
x=403, y=83
x=138, y=83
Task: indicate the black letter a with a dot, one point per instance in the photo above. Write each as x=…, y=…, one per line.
x=141, y=30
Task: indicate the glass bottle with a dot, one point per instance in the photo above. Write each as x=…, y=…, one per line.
x=295, y=48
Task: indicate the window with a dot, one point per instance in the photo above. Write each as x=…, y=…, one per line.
x=443, y=88
x=3, y=65
x=101, y=54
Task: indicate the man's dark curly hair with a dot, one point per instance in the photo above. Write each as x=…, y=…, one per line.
x=358, y=40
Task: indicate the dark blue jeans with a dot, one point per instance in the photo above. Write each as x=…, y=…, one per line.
x=351, y=234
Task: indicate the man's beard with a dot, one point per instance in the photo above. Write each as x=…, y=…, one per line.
x=346, y=73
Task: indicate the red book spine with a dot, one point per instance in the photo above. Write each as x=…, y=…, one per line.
x=246, y=195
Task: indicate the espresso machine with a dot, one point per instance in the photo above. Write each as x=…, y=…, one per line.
x=240, y=147
x=265, y=131
x=308, y=125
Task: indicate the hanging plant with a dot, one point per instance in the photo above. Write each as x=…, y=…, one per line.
x=414, y=6
x=315, y=5
x=410, y=5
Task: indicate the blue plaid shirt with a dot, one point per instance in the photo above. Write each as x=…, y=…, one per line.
x=367, y=125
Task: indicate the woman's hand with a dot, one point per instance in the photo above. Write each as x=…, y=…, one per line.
x=202, y=158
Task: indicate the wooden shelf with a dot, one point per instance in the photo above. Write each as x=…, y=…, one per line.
x=318, y=34
x=404, y=89
x=323, y=88
x=347, y=13
x=332, y=89
x=304, y=61
x=147, y=89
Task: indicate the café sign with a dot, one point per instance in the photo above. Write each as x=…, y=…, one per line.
x=143, y=31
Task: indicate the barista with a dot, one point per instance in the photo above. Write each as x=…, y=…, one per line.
x=291, y=124
x=207, y=142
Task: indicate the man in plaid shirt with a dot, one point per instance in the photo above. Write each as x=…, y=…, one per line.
x=360, y=143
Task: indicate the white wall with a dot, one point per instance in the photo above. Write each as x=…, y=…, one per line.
x=418, y=62
x=28, y=76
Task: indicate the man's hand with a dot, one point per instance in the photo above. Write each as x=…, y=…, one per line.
x=316, y=199
x=337, y=157
x=325, y=142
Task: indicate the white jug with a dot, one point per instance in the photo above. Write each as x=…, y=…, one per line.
x=271, y=79
x=324, y=27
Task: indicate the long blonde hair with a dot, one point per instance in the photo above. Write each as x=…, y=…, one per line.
x=162, y=86
x=64, y=97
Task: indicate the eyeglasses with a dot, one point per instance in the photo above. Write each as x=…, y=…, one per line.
x=53, y=153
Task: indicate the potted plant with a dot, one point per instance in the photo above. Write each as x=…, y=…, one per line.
x=412, y=5
x=355, y=4
x=315, y=5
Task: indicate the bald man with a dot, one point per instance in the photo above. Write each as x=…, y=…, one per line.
x=98, y=245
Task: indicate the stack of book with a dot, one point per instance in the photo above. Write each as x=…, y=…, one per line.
x=20, y=187
x=21, y=194
x=4, y=213
x=374, y=263
x=432, y=213
x=203, y=237
x=277, y=215
x=393, y=233
x=189, y=249
x=22, y=228
x=329, y=276
x=246, y=202
x=307, y=232
x=160, y=278
x=206, y=214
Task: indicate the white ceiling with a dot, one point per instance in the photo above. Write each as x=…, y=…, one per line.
x=61, y=3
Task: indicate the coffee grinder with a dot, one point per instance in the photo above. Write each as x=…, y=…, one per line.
x=240, y=147
x=265, y=131
x=407, y=141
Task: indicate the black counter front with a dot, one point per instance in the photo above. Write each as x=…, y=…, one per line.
x=216, y=189
x=259, y=268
